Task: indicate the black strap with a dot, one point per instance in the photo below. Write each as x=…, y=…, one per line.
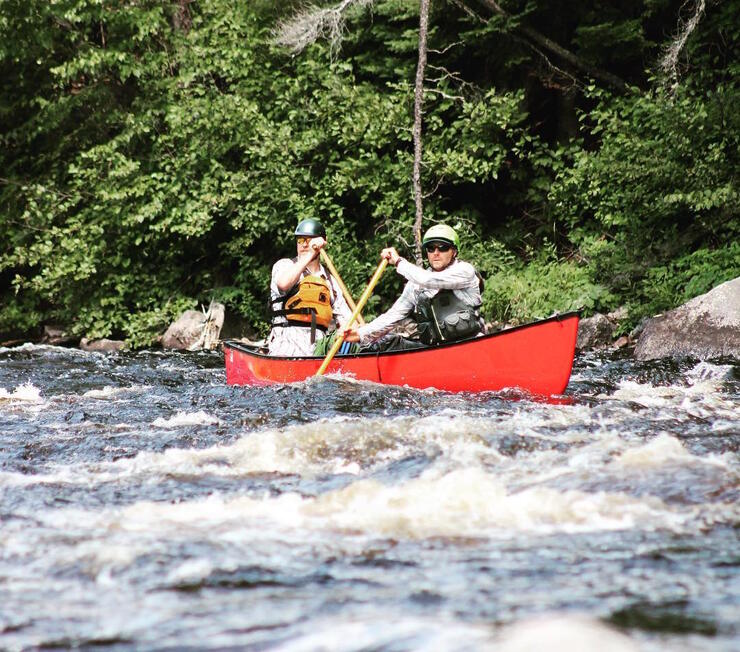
x=300, y=311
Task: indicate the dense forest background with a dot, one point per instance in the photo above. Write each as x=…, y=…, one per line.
x=155, y=155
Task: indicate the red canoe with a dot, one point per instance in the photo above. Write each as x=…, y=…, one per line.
x=536, y=357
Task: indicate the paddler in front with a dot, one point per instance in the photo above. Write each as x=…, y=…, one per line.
x=444, y=300
x=304, y=297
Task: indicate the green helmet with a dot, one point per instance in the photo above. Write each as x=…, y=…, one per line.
x=442, y=233
x=311, y=228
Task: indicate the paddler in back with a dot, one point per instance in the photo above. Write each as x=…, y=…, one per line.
x=305, y=299
x=443, y=300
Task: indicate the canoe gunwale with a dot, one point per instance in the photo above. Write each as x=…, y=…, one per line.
x=254, y=351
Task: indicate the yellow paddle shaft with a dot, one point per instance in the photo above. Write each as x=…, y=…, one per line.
x=348, y=297
x=360, y=305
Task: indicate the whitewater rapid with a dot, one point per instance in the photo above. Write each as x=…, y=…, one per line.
x=145, y=504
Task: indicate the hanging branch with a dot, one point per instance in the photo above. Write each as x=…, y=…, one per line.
x=418, y=111
x=310, y=24
x=669, y=63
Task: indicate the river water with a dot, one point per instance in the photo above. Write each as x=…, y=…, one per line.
x=144, y=504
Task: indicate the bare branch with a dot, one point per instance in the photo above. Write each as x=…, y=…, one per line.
x=559, y=51
x=447, y=96
x=551, y=66
x=447, y=75
x=448, y=48
x=440, y=181
x=469, y=11
x=669, y=63
x=455, y=79
x=312, y=23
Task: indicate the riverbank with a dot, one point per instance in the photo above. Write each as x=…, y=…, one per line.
x=706, y=327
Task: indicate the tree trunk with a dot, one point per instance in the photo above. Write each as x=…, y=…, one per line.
x=418, y=112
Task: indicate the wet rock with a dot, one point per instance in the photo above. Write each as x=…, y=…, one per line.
x=622, y=342
x=706, y=327
x=195, y=330
x=102, y=345
x=595, y=332
x=185, y=331
x=56, y=336
x=8, y=343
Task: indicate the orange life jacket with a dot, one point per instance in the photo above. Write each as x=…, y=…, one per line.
x=310, y=303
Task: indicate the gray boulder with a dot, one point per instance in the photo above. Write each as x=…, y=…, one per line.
x=195, y=330
x=706, y=327
x=595, y=332
x=185, y=331
x=101, y=346
x=57, y=336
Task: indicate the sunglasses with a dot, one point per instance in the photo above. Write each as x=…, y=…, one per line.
x=436, y=246
x=303, y=241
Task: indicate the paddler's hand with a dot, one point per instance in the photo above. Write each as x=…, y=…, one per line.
x=351, y=334
x=316, y=245
x=391, y=255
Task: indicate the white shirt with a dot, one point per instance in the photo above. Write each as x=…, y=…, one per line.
x=296, y=340
x=460, y=277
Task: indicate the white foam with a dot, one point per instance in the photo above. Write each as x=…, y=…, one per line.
x=213, y=515
x=563, y=633
x=644, y=394
x=362, y=632
x=199, y=418
x=30, y=347
x=471, y=502
x=110, y=392
x=332, y=446
x=23, y=393
x=706, y=371
x=461, y=503
x=61, y=474
x=702, y=398
x=658, y=451
x=192, y=570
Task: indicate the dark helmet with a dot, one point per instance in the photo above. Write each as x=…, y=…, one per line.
x=310, y=228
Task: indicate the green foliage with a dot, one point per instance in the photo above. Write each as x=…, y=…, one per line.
x=658, y=196
x=516, y=292
x=153, y=160
x=688, y=276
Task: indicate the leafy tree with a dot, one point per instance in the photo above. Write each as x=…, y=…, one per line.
x=156, y=155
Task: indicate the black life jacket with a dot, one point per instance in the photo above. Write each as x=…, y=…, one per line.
x=445, y=318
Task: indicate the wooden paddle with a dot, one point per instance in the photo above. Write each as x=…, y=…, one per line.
x=360, y=305
x=348, y=297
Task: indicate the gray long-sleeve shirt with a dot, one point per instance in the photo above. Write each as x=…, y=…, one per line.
x=460, y=277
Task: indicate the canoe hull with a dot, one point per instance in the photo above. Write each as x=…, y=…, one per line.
x=536, y=358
